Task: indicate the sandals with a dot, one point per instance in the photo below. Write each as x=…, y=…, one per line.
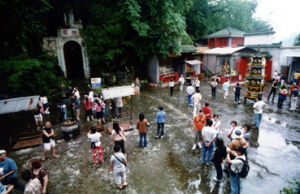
x=120, y=187
x=55, y=156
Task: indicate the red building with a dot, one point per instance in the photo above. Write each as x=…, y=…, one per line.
x=228, y=37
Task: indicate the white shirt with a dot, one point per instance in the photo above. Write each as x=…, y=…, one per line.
x=119, y=102
x=171, y=84
x=275, y=74
x=216, y=125
x=209, y=133
x=44, y=100
x=77, y=94
x=181, y=80
x=95, y=138
x=214, y=84
x=237, y=164
x=91, y=96
x=225, y=86
x=196, y=98
x=258, y=107
x=190, y=90
x=197, y=83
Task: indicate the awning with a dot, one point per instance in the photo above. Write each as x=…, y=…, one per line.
x=13, y=105
x=227, y=50
x=193, y=62
x=111, y=93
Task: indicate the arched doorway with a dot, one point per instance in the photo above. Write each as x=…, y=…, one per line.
x=73, y=60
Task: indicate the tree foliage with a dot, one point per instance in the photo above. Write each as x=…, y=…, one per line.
x=125, y=32
x=208, y=16
x=22, y=76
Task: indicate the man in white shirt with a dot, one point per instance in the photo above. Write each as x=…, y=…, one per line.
x=208, y=136
x=258, y=110
x=225, y=87
x=190, y=91
x=181, y=82
x=171, y=85
x=196, y=98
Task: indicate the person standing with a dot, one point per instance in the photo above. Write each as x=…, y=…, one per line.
x=33, y=185
x=37, y=171
x=208, y=136
x=294, y=98
x=137, y=84
x=8, y=171
x=237, y=93
x=76, y=107
x=216, y=124
x=225, y=87
x=218, y=158
x=44, y=101
x=273, y=90
x=258, y=111
x=232, y=129
x=197, y=84
x=38, y=117
x=87, y=102
x=235, y=168
x=171, y=85
x=181, y=82
x=160, y=120
x=118, y=165
x=196, y=98
x=282, y=96
x=118, y=137
x=190, y=91
x=142, y=125
x=48, y=141
x=207, y=111
x=199, y=123
x=96, y=145
x=76, y=93
x=119, y=106
x=98, y=109
x=214, y=85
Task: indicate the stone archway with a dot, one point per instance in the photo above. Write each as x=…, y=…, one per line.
x=73, y=60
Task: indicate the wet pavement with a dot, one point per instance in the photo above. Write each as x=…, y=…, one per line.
x=169, y=165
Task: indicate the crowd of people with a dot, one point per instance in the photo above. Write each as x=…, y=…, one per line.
x=206, y=128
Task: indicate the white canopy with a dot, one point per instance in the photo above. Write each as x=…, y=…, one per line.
x=18, y=104
x=223, y=50
x=193, y=62
x=111, y=93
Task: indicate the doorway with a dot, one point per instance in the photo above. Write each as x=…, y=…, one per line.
x=73, y=60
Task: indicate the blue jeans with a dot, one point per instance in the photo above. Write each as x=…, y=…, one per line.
x=209, y=150
x=143, y=135
x=234, y=183
x=189, y=99
x=213, y=92
x=64, y=113
x=236, y=97
x=162, y=132
x=257, y=119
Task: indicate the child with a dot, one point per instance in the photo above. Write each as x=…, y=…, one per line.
x=237, y=93
x=96, y=146
x=218, y=158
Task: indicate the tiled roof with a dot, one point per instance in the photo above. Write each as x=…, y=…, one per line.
x=227, y=50
x=274, y=45
x=227, y=32
x=269, y=31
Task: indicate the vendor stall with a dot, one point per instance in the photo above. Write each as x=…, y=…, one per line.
x=126, y=122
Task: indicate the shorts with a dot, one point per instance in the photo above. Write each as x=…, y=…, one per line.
x=46, y=105
x=48, y=146
x=99, y=115
x=77, y=110
x=38, y=117
x=89, y=112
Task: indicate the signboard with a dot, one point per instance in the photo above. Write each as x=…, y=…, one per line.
x=123, y=91
x=69, y=32
x=96, y=82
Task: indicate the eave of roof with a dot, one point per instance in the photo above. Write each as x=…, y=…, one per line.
x=227, y=32
x=260, y=32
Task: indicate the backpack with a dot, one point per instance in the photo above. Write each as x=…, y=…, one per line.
x=245, y=170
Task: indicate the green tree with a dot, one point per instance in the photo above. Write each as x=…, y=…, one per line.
x=122, y=33
x=259, y=24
